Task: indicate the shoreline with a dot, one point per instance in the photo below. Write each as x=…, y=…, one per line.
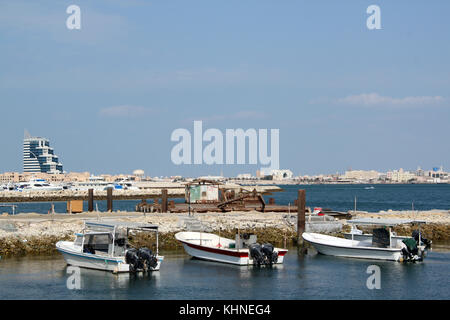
x=35, y=234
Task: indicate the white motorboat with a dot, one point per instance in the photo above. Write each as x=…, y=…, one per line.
x=382, y=245
x=99, y=184
x=242, y=251
x=38, y=185
x=8, y=187
x=359, y=235
x=125, y=184
x=104, y=246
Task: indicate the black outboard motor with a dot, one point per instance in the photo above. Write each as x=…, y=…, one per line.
x=142, y=259
x=415, y=235
x=148, y=258
x=270, y=255
x=411, y=251
x=256, y=253
x=132, y=259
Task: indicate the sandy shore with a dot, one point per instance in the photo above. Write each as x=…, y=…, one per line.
x=31, y=224
x=430, y=216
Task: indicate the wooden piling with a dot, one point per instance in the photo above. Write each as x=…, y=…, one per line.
x=91, y=200
x=109, y=199
x=164, y=203
x=301, y=201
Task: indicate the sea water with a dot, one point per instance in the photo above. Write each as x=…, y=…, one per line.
x=310, y=276
x=334, y=196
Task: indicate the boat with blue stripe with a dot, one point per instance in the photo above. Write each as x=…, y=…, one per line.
x=103, y=245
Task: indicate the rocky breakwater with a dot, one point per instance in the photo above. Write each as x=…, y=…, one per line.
x=147, y=191
x=37, y=234
x=66, y=195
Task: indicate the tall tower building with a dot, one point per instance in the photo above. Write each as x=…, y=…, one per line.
x=38, y=156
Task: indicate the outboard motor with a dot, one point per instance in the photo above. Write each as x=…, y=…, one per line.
x=410, y=251
x=270, y=255
x=132, y=259
x=415, y=235
x=147, y=258
x=256, y=253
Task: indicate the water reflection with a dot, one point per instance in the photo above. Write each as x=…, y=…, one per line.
x=225, y=270
x=107, y=280
x=309, y=276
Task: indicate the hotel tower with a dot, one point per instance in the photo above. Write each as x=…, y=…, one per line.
x=39, y=157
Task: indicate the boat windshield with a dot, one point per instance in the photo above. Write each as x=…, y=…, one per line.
x=97, y=243
x=79, y=240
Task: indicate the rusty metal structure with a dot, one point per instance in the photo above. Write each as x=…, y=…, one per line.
x=242, y=201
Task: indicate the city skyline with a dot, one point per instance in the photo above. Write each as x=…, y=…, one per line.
x=109, y=95
x=52, y=165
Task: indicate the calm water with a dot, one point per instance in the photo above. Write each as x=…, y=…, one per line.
x=337, y=197
x=301, y=277
x=382, y=197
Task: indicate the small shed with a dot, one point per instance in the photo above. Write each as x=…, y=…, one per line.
x=202, y=191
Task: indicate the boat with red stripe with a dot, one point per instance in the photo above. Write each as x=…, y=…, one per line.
x=244, y=250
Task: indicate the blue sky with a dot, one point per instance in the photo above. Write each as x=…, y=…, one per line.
x=108, y=96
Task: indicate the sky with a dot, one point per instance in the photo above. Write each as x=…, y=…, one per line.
x=109, y=95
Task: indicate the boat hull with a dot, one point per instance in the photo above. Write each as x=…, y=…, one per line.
x=369, y=237
x=97, y=262
x=349, y=251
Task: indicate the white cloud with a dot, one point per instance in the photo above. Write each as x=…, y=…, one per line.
x=126, y=111
x=375, y=99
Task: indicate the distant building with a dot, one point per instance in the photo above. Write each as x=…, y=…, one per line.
x=361, y=175
x=139, y=173
x=244, y=176
x=420, y=172
x=39, y=157
x=401, y=176
x=438, y=175
x=281, y=174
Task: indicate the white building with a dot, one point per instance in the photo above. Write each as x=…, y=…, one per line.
x=400, y=176
x=281, y=174
x=361, y=175
x=244, y=176
x=39, y=157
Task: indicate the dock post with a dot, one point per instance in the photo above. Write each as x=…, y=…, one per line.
x=109, y=199
x=301, y=216
x=91, y=200
x=164, y=201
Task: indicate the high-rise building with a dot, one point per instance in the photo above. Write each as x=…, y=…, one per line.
x=38, y=156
